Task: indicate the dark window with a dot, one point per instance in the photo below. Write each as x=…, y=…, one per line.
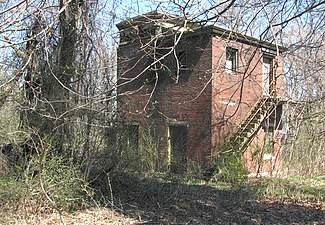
x=274, y=120
x=158, y=69
x=181, y=71
x=171, y=69
x=231, y=59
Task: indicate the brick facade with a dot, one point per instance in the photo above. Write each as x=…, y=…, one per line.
x=179, y=81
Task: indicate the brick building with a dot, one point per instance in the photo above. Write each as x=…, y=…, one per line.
x=199, y=88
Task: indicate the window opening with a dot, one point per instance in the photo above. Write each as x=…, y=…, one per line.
x=232, y=59
x=163, y=67
x=274, y=120
x=171, y=69
x=181, y=70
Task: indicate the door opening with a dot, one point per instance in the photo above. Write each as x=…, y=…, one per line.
x=267, y=75
x=177, y=147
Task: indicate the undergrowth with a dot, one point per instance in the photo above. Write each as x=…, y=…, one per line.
x=54, y=186
x=57, y=182
x=229, y=168
x=293, y=189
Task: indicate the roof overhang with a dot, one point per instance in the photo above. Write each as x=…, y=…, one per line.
x=176, y=23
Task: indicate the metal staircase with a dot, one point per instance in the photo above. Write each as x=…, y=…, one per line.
x=239, y=141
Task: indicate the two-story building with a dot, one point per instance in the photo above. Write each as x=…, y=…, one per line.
x=199, y=88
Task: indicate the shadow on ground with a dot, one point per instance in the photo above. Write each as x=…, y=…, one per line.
x=160, y=202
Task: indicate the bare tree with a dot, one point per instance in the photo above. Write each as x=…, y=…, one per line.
x=62, y=56
x=56, y=56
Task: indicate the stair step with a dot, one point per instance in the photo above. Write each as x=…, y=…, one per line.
x=242, y=137
x=252, y=125
x=240, y=140
x=247, y=134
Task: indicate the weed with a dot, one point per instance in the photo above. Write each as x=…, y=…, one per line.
x=54, y=184
x=56, y=181
x=296, y=189
x=139, y=156
x=230, y=168
x=13, y=194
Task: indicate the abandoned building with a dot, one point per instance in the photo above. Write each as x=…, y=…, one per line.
x=199, y=87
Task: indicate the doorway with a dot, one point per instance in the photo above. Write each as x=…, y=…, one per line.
x=267, y=75
x=177, y=138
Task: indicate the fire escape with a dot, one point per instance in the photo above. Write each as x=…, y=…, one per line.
x=246, y=131
x=240, y=140
x=263, y=109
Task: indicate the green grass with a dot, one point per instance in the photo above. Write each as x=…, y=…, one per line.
x=297, y=189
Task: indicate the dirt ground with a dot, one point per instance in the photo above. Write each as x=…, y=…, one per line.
x=138, y=200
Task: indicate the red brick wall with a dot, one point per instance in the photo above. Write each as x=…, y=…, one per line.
x=168, y=102
x=213, y=101
x=260, y=162
x=235, y=93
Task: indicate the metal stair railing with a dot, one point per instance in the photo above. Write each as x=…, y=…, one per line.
x=258, y=112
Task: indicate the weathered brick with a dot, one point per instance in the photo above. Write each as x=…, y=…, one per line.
x=212, y=101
